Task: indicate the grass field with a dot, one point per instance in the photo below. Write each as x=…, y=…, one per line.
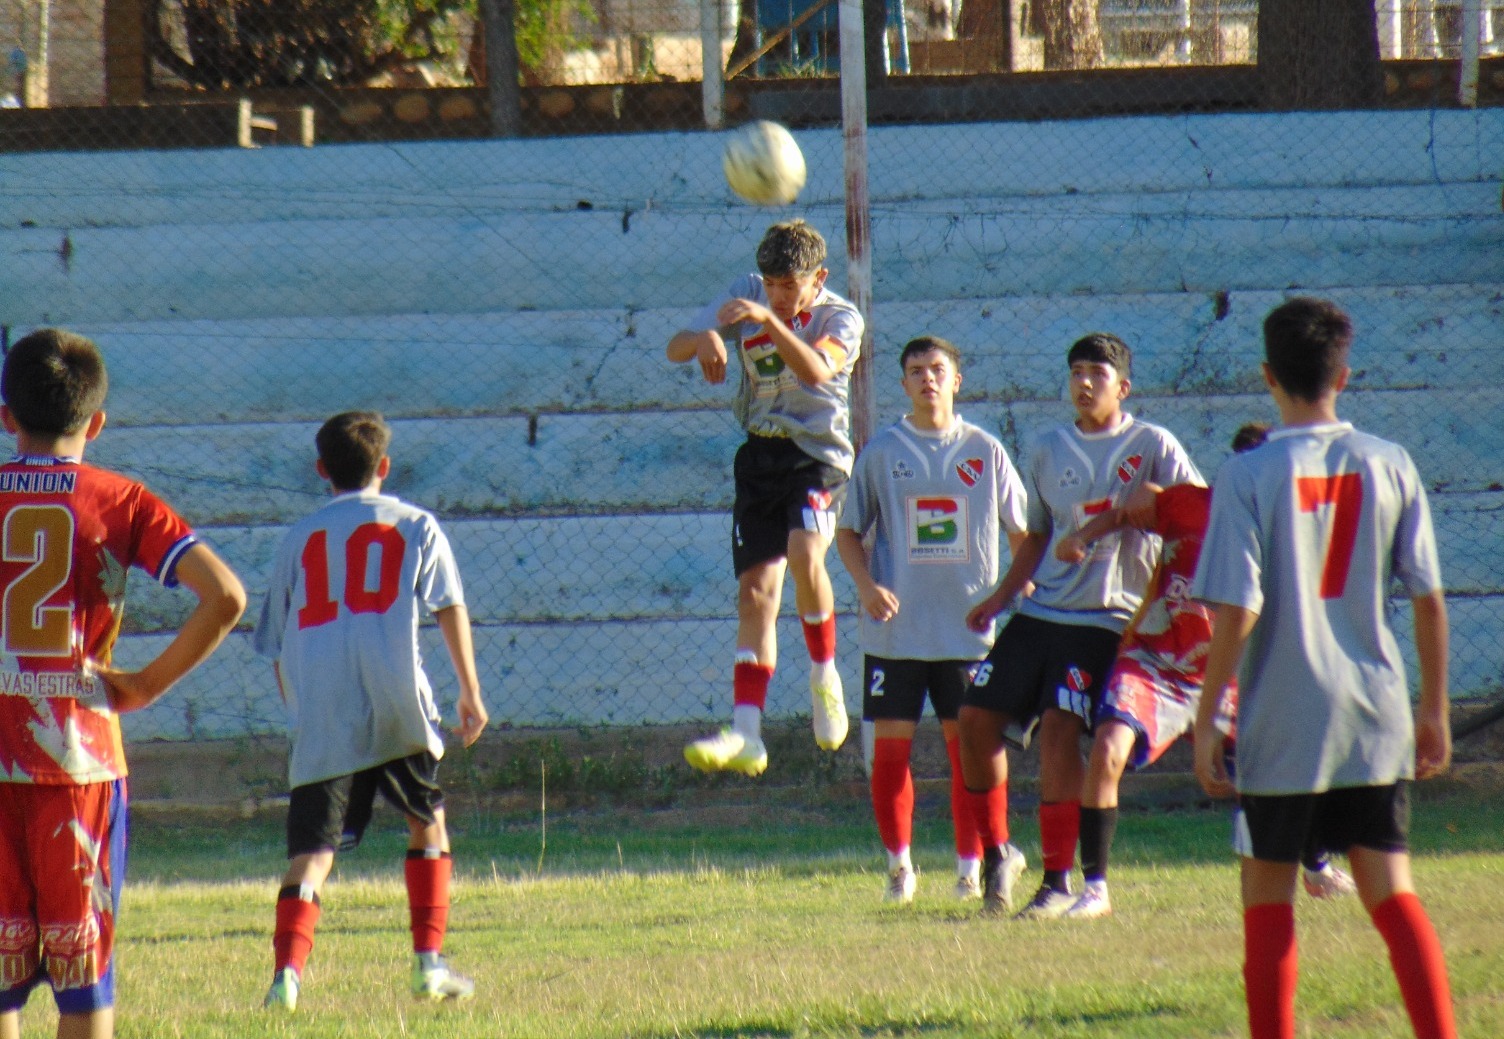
x=762, y=917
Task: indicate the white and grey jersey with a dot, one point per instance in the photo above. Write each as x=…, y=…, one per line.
x=1310, y=531
x=770, y=400
x=341, y=618
x=1072, y=476
x=934, y=505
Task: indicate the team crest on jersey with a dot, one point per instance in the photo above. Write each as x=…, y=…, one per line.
x=1077, y=680
x=1130, y=467
x=1070, y=478
x=901, y=470
x=970, y=471
x=819, y=499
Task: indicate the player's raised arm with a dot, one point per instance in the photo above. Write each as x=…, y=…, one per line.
x=707, y=347
x=1433, y=724
x=454, y=623
x=221, y=601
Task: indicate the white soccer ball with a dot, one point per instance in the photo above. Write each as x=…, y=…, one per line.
x=764, y=164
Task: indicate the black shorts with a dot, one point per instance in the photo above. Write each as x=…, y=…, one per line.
x=779, y=488
x=1038, y=664
x=894, y=690
x=334, y=813
x=1276, y=827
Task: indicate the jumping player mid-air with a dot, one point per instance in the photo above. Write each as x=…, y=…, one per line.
x=1050, y=662
x=1305, y=538
x=341, y=620
x=71, y=532
x=795, y=343
x=931, y=494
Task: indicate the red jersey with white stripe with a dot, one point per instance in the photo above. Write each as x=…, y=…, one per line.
x=68, y=534
x=1172, y=628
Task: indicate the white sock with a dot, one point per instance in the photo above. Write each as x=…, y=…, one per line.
x=746, y=721
x=900, y=860
x=968, y=868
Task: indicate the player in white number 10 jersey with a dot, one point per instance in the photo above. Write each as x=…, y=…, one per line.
x=933, y=493
x=1305, y=537
x=341, y=619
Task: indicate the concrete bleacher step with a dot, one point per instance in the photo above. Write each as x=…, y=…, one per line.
x=611, y=360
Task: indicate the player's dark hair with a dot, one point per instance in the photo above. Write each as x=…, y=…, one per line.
x=1306, y=342
x=792, y=247
x=929, y=344
x=1249, y=437
x=351, y=446
x=53, y=382
x=1102, y=348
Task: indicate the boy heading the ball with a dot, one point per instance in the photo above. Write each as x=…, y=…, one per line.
x=1306, y=535
x=71, y=533
x=795, y=343
x=931, y=493
x=341, y=620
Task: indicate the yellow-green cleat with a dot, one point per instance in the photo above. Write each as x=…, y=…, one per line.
x=433, y=980
x=283, y=995
x=728, y=751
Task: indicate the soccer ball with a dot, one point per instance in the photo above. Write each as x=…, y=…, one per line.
x=763, y=164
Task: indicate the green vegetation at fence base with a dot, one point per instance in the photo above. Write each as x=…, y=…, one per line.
x=762, y=917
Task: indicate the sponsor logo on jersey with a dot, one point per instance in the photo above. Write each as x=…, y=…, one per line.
x=1069, y=478
x=1130, y=467
x=901, y=470
x=970, y=471
x=938, y=529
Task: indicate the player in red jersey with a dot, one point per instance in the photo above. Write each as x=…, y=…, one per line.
x=70, y=532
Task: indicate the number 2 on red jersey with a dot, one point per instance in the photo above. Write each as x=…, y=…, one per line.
x=1344, y=494
x=321, y=608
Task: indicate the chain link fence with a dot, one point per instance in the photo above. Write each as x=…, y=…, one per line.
x=506, y=302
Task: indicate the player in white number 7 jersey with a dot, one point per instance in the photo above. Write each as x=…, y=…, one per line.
x=341, y=619
x=1305, y=537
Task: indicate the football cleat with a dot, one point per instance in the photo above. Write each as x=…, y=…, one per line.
x=1047, y=904
x=968, y=888
x=827, y=706
x=901, y=885
x=1328, y=882
x=728, y=751
x=1093, y=904
x=999, y=879
x=283, y=995
x=432, y=979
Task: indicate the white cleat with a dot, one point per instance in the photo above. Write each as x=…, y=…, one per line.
x=901, y=885
x=283, y=995
x=999, y=879
x=1047, y=904
x=433, y=980
x=968, y=888
x=828, y=706
x=1328, y=882
x=728, y=751
x=1092, y=905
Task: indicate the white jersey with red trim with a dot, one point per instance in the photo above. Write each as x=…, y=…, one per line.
x=935, y=504
x=1072, y=476
x=771, y=401
x=341, y=618
x=1309, y=531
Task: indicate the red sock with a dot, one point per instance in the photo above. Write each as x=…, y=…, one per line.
x=820, y=637
x=968, y=840
x=749, y=685
x=989, y=814
x=428, y=898
x=893, y=793
x=1059, y=828
x=1270, y=970
x=292, y=941
x=1419, y=965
